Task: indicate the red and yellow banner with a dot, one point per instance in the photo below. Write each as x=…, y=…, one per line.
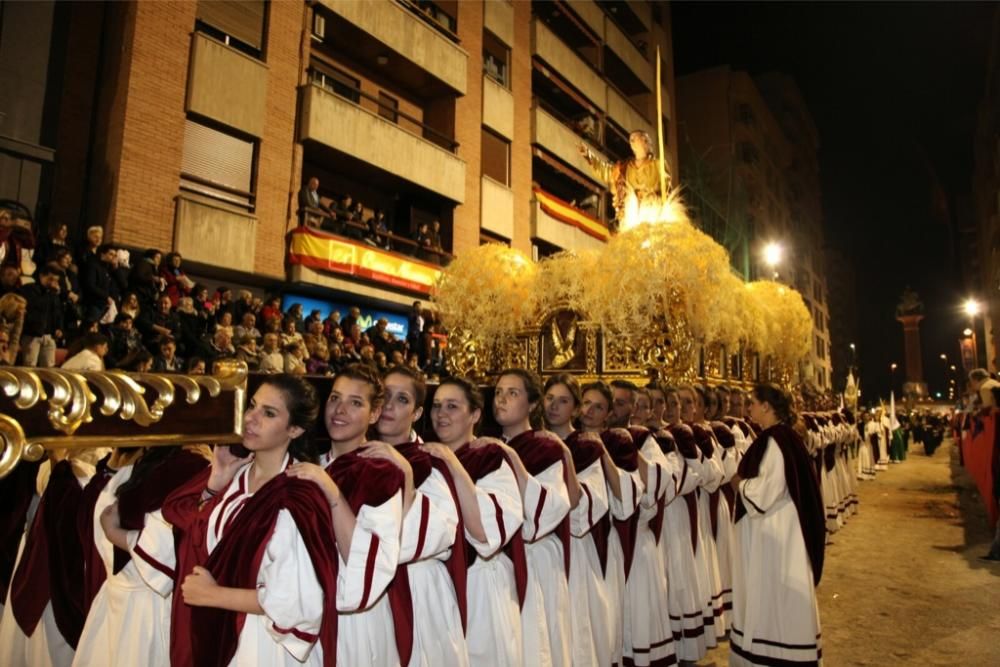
x=981, y=457
x=565, y=213
x=325, y=252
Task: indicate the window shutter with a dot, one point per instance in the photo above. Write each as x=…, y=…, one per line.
x=217, y=157
x=242, y=19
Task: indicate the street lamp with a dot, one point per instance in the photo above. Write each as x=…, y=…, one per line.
x=971, y=307
x=892, y=369
x=773, y=253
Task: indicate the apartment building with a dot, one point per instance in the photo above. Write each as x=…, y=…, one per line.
x=193, y=126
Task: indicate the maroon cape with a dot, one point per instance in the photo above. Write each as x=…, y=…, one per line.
x=705, y=438
x=686, y=445
x=400, y=595
x=479, y=463
x=51, y=567
x=16, y=493
x=625, y=454
x=205, y=636
x=94, y=573
x=803, y=487
x=585, y=453
x=639, y=435
x=726, y=438
x=538, y=452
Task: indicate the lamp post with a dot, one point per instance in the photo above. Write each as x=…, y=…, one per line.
x=973, y=308
x=772, y=254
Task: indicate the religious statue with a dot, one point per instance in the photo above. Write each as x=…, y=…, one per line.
x=639, y=185
x=909, y=304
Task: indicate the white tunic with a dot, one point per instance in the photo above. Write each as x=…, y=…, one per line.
x=494, y=617
x=724, y=528
x=709, y=582
x=46, y=646
x=632, y=489
x=589, y=608
x=774, y=601
x=426, y=543
x=545, y=625
x=129, y=622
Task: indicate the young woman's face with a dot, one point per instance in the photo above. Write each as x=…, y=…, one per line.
x=453, y=418
x=400, y=409
x=641, y=411
x=757, y=409
x=349, y=410
x=594, y=410
x=510, y=401
x=560, y=406
x=671, y=408
x=688, y=404
x=265, y=423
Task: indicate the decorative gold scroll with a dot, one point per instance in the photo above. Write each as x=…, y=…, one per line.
x=48, y=408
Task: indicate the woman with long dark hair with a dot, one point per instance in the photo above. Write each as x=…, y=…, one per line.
x=779, y=541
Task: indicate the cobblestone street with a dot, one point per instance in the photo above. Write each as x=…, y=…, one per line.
x=902, y=584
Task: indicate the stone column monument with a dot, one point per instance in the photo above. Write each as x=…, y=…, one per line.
x=909, y=312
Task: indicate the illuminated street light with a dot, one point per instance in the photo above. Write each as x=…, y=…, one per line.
x=773, y=253
x=971, y=307
x=967, y=332
x=944, y=357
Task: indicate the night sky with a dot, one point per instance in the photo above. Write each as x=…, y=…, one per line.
x=893, y=89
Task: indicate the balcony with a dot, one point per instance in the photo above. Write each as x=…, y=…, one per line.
x=336, y=122
x=226, y=85
x=497, y=208
x=627, y=116
x=555, y=222
x=628, y=52
x=551, y=134
x=548, y=47
x=373, y=28
x=498, y=108
x=214, y=234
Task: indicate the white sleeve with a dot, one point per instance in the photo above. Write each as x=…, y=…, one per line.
x=593, y=503
x=690, y=477
x=711, y=472
x=546, y=502
x=632, y=490
x=153, y=553
x=374, y=555
x=429, y=526
x=729, y=464
x=500, y=508
x=659, y=480
x=288, y=590
x=762, y=491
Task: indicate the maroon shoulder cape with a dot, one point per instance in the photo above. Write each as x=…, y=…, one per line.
x=686, y=445
x=725, y=437
x=585, y=453
x=93, y=565
x=400, y=595
x=135, y=503
x=51, y=567
x=803, y=487
x=667, y=444
x=705, y=438
x=639, y=436
x=625, y=454
x=538, y=453
x=16, y=493
x=479, y=463
x=204, y=636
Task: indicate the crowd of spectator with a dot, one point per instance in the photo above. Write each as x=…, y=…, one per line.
x=350, y=218
x=100, y=307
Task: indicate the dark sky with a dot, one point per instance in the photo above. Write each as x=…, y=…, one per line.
x=893, y=89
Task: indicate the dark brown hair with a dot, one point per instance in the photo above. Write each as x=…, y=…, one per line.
x=779, y=400
x=568, y=381
x=419, y=384
x=367, y=374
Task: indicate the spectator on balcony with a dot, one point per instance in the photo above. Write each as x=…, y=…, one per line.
x=295, y=314
x=314, y=316
x=309, y=198
x=52, y=242
x=247, y=327
x=337, y=359
x=290, y=333
x=123, y=341
x=271, y=359
x=246, y=351
x=295, y=360
x=196, y=366
x=367, y=353
x=272, y=325
x=69, y=288
x=13, y=309
x=377, y=233
x=139, y=361
x=243, y=305
x=167, y=360
x=222, y=345
x=164, y=323
x=271, y=308
x=202, y=301
x=192, y=329
x=130, y=305
x=10, y=280
x=175, y=281
x=88, y=252
x=98, y=284
x=144, y=279
x=17, y=239
x=318, y=361
x=331, y=323
x=377, y=334
x=347, y=324
x=43, y=320
x=424, y=243
x=92, y=349
x=352, y=344
x=413, y=361
x=223, y=299
x=435, y=234
x=314, y=335
x=414, y=325
x=224, y=322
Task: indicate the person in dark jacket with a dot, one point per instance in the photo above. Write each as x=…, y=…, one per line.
x=43, y=321
x=97, y=283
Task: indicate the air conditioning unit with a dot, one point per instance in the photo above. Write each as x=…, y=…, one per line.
x=318, y=27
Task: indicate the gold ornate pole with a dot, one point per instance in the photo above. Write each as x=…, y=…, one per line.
x=659, y=128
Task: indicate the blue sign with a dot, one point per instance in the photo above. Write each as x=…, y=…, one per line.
x=397, y=323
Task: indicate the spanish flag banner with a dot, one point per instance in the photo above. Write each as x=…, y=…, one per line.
x=563, y=212
x=325, y=252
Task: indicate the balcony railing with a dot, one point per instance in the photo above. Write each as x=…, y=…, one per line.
x=434, y=16
x=358, y=231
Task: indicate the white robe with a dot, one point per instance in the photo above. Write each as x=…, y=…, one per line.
x=709, y=580
x=427, y=540
x=494, y=618
x=545, y=625
x=774, y=599
x=129, y=622
x=631, y=489
x=588, y=593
